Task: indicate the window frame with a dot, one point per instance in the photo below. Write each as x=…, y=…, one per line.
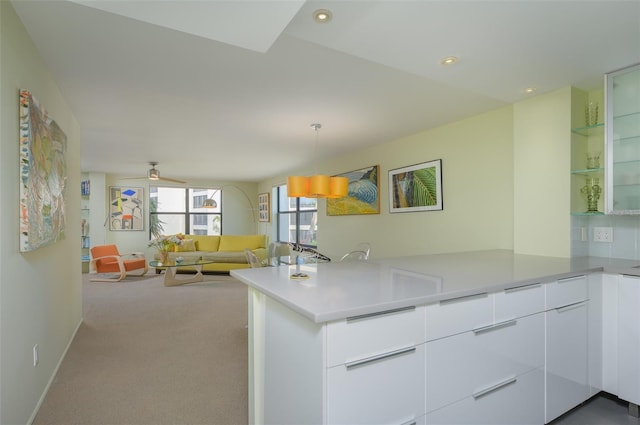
x=191, y=195
x=297, y=213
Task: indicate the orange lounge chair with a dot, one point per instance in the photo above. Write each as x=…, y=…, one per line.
x=107, y=259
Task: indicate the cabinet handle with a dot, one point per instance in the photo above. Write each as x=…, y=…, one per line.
x=495, y=326
x=385, y=356
x=380, y=313
x=523, y=288
x=494, y=387
x=464, y=298
x=568, y=279
x=570, y=306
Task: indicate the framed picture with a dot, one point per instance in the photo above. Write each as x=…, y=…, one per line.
x=126, y=208
x=363, y=196
x=416, y=187
x=264, y=211
x=43, y=176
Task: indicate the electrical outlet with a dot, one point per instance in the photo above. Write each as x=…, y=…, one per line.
x=603, y=234
x=35, y=355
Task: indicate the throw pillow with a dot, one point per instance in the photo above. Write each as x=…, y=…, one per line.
x=187, y=246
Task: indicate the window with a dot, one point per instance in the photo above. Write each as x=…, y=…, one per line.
x=179, y=210
x=297, y=219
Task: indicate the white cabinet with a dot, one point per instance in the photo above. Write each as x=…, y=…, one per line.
x=483, y=353
x=566, y=365
x=629, y=339
x=623, y=141
x=384, y=389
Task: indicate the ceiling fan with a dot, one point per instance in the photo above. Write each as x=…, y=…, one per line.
x=154, y=174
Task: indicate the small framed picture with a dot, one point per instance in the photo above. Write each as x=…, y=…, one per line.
x=264, y=210
x=126, y=208
x=416, y=187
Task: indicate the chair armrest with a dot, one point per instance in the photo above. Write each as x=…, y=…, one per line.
x=117, y=257
x=133, y=254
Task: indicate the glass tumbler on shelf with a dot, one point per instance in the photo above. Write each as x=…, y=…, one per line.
x=593, y=160
x=591, y=114
x=591, y=191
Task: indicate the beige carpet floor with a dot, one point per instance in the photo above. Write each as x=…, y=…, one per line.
x=150, y=354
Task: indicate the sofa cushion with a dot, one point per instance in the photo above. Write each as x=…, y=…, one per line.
x=225, y=257
x=206, y=242
x=240, y=242
x=188, y=245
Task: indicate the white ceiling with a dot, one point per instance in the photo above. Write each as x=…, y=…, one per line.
x=226, y=90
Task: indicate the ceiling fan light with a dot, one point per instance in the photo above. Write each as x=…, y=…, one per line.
x=297, y=186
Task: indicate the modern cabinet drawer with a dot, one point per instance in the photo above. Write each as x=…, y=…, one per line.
x=519, y=301
x=513, y=400
x=567, y=291
x=460, y=365
x=388, y=389
x=458, y=315
x=363, y=336
x=567, y=381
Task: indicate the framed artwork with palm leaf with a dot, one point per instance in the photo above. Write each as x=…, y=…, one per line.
x=363, y=196
x=416, y=187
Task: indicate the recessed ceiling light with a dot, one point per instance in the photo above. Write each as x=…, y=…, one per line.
x=449, y=60
x=322, y=16
x=529, y=90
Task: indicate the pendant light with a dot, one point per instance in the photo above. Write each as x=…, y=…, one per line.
x=318, y=185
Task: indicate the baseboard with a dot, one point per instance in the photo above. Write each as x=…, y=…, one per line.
x=53, y=375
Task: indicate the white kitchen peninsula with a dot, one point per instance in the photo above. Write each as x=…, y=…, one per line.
x=449, y=338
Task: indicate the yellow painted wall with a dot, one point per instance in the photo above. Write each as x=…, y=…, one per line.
x=477, y=174
x=541, y=163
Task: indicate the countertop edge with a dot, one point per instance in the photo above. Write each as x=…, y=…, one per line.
x=328, y=316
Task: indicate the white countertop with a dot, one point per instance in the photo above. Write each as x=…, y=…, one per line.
x=337, y=290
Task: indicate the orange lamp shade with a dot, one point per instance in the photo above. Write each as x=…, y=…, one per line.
x=297, y=186
x=339, y=187
x=319, y=186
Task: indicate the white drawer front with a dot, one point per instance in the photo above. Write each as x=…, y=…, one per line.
x=389, y=390
x=514, y=401
x=357, y=338
x=462, y=364
x=458, y=315
x=518, y=302
x=567, y=375
x=567, y=291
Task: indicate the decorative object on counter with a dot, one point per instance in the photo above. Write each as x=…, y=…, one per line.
x=299, y=276
x=305, y=252
x=126, y=208
x=43, y=176
x=165, y=245
x=591, y=191
x=416, y=187
x=264, y=207
x=362, y=196
x=591, y=114
x=593, y=160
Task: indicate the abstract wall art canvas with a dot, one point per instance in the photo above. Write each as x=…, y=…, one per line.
x=126, y=208
x=416, y=187
x=43, y=176
x=363, y=196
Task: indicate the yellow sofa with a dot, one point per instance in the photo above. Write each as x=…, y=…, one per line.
x=227, y=251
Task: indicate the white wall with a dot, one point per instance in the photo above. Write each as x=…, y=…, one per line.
x=40, y=291
x=477, y=171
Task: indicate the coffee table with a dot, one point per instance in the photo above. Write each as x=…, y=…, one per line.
x=171, y=268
